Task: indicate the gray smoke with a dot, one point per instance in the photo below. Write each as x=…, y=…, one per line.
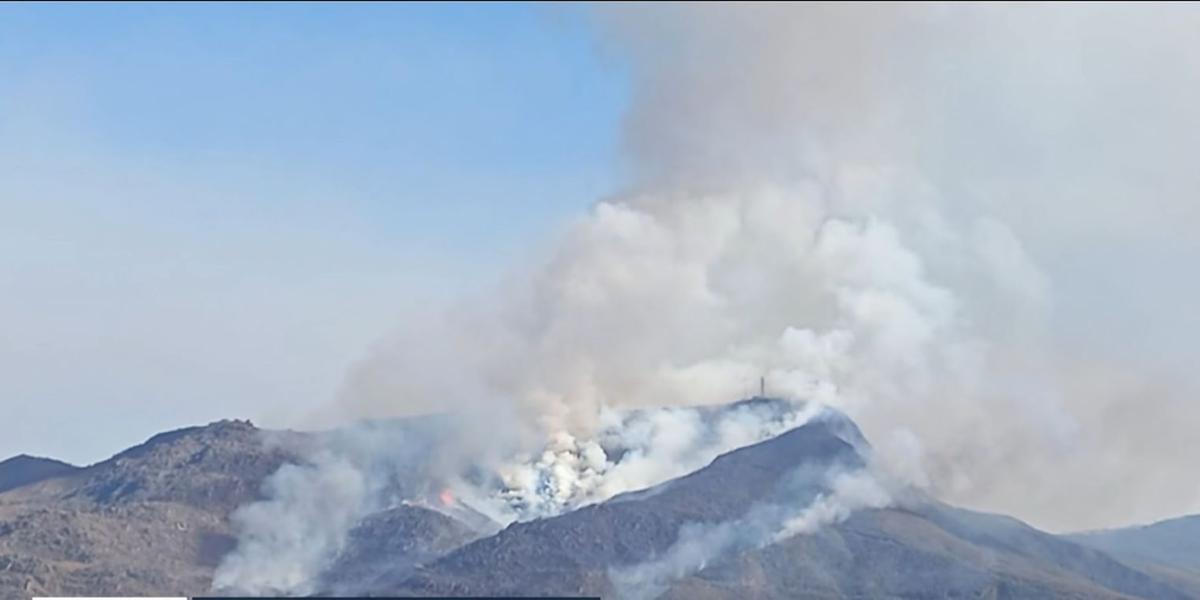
x=699, y=544
x=967, y=226
x=1033, y=159
x=286, y=540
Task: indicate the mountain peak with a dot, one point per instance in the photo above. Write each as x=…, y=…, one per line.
x=223, y=428
x=24, y=469
x=219, y=464
x=570, y=553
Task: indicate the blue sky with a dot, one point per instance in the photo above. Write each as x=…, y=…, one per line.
x=210, y=211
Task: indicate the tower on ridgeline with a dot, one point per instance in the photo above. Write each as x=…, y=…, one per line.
x=762, y=386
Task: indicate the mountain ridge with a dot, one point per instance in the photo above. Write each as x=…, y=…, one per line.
x=918, y=548
x=1172, y=543
x=24, y=469
x=155, y=520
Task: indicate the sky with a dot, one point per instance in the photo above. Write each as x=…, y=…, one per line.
x=211, y=211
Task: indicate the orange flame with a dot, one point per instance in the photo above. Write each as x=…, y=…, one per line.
x=446, y=497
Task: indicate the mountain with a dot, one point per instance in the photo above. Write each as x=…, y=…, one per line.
x=387, y=545
x=571, y=554
x=925, y=551
x=155, y=520
x=1171, y=547
x=24, y=469
x=918, y=548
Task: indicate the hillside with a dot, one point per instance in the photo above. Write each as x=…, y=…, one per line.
x=151, y=520
x=1170, y=548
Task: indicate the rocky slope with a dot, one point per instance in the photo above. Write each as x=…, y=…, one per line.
x=386, y=546
x=151, y=520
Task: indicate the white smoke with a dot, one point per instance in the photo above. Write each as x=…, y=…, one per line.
x=636, y=450
x=1033, y=160
x=884, y=209
x=699, y=544
x=850, y=492
x=664, y=301
x=976, y=216
x=286, y=540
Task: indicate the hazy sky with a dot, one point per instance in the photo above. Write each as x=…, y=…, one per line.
x=209, y=211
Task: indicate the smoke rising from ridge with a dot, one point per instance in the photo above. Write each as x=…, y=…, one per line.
x=288, y=539
x=699, y=544
x=967, y=226
x=637, y=450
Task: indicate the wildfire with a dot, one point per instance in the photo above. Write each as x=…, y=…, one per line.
x=446, y=497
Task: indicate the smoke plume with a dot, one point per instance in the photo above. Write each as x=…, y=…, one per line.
x=633, y=451
x=966, y=226
x=286, y=540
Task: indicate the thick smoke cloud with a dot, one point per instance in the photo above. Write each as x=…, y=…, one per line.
x=286, y=540
x=634, y=450
x=1032, y=163
x=967, y=226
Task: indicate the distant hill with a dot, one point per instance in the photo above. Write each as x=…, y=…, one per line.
x=926, y=551
x=1171, y=546
x=24, y=470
